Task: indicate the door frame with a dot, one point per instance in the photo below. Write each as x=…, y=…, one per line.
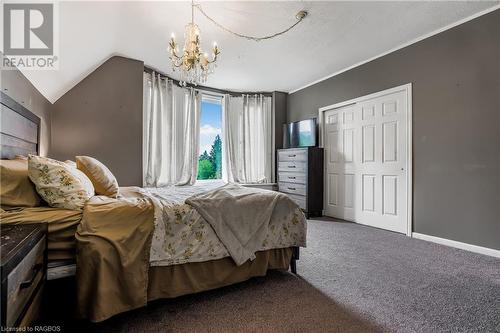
x=407, y=88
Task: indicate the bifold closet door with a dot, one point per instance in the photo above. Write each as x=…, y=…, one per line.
x=366, y=161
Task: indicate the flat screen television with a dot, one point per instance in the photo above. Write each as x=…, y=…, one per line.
x=302, y=133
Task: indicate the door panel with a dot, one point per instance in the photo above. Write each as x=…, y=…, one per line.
x=349, y=190
x=348, y=145
x=368, y=193
x=366, y=163
x=368, y=144
x=389, y=195
x=390, y=139
x=332, y=187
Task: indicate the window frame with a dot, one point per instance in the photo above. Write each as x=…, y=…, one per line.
x=213, y=98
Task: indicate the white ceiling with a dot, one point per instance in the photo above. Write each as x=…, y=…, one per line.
x=335, y=35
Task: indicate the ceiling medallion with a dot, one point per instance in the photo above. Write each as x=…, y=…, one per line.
x=195, y=65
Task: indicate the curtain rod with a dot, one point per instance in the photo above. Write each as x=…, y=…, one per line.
x=149, y=69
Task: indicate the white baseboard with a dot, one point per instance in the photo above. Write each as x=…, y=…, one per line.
x=459, y=245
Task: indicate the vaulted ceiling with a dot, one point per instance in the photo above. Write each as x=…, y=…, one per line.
x=334, y=36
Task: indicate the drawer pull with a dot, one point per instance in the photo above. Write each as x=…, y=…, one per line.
x=290, y=177
x=28, y=283
x=292, y=188
x=292, y=155
x=291, y=166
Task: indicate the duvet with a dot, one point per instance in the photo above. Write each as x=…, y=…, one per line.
x=118, y=240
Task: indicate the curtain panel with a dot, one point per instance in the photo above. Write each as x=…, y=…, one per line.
x=171, y=116
x=248, y=139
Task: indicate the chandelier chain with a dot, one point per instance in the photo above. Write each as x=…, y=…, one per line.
x=300, y=16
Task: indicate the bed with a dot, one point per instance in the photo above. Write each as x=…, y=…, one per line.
x=149, y=243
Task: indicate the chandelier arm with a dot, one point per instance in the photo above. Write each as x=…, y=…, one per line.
x=300, y=16
x=213, y=60
x=176, y=62
x=177, y=65
x=174, y=55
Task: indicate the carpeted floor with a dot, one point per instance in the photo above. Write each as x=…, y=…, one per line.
x=352, y=278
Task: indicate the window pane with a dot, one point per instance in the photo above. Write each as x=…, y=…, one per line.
x=210, y=151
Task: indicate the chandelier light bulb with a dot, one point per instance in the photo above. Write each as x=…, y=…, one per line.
x=172, y=36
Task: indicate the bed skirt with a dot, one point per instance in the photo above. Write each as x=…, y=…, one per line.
x=177, y=280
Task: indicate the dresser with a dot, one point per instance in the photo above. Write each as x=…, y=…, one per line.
x=23, y=271
x=300, y=175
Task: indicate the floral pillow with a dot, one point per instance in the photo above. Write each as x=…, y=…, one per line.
x=59, y=184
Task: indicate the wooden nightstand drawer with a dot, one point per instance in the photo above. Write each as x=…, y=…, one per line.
x=23, y=280
x=33, y=311
x=23, y=272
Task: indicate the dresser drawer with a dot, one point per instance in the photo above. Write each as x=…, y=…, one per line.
x=293, y=155
x=292, y=166
x=292, y=177
x=292, y=188
x=299, y=200
x=23, y=280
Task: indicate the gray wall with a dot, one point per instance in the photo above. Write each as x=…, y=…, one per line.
x=456, y=125
x=102, y=117
x=279, y=108
x=16, y=86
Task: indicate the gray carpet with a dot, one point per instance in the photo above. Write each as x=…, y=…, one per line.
x=352, y=279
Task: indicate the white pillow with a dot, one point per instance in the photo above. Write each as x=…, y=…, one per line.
x=71, y=163
x=59, y=184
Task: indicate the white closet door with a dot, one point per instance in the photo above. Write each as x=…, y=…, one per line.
x=341, y=160
x=366, y=162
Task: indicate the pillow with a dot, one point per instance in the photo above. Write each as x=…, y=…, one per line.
x=59, y=184
x=16, y=189
x=102, y=178
x=70, y=163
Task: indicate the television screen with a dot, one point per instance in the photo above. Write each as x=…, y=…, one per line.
x=302, y=133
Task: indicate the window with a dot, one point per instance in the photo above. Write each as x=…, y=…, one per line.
x=210, y=150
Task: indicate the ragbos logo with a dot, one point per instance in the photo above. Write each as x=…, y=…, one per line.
x=29, y=36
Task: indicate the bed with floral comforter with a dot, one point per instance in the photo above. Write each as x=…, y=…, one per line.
x=120, y=241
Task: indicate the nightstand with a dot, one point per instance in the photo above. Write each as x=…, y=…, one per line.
x=23, y=272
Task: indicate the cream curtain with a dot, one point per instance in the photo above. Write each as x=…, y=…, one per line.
x=248, y=139
x=171, y=132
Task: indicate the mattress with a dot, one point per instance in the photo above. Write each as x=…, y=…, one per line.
x=61, y=225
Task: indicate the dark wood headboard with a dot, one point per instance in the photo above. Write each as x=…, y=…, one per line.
x=19, y=129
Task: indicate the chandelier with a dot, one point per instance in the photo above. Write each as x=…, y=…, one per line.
x=194, y=64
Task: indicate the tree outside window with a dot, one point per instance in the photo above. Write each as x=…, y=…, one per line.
x=210, y=157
